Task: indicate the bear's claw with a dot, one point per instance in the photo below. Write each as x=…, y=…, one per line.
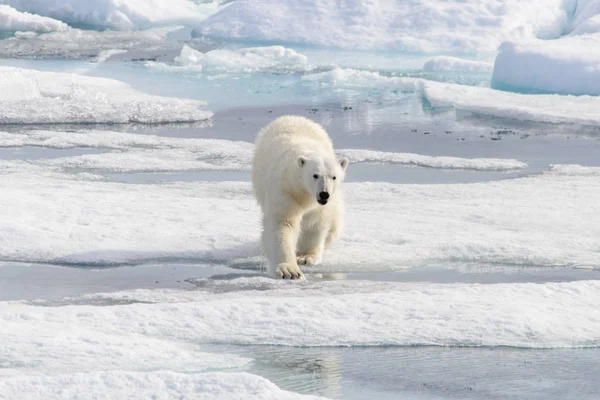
x=287, y=271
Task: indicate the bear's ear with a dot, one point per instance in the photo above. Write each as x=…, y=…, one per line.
x=344, y=163
x=301, y=161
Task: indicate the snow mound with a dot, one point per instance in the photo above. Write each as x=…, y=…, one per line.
x=445, y=64
x=570, y=65
x=415, y=26
x=145, y=385
x=263, y=311
x=500, y=223
x=78, y=44
x=12, y=20
x=246, y=60
x=147, y=153
x=116, y=14
x=36, y=97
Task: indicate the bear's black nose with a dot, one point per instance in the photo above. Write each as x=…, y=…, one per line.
x=324, y=195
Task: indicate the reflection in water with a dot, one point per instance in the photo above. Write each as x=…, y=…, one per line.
x=427, y=372
x=310, y=371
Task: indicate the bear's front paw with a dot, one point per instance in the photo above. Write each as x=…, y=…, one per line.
x=308, y=259
x=288, y=271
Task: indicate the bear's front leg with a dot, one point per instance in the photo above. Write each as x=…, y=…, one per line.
x=313, y=230
x=310, y=247
x=279, y=241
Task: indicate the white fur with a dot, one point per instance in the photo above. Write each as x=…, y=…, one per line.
x=290, y=151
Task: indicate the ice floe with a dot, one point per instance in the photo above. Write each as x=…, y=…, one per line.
x=37, y=97
x=583, y=110
x=413, y=26
x=83, y=44
x=48, y=215
x=244, y=60
x=12, y=20
x=144, y=385
x=313, y=313
x=453, y=64
x=148, y=153
x=479, y=100
x=570, y=65
x=116, y=14
x=478, y=164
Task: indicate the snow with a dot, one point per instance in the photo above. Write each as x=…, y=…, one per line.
x=586, y=18
x=245, y=60
x=145, y=385
x=570, y=65
x=147, y=153
x=83, y=44
x=567, y=65
x=446, y=63
x=50, y=216
x=36, y=97
x=478, y=100
x=263, y=311
x=353, y=79
x=67, y=211
x=478, y=164
x=542, y=108
x=117, y=14
x=12, y=20
x=571, y=169
x=413, y=26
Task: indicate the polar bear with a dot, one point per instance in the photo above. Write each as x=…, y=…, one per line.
x=296, y=179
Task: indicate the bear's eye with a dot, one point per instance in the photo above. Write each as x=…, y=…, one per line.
x=333, y=178
x=316, y=176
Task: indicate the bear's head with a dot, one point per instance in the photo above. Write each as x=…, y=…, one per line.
x=322, y=176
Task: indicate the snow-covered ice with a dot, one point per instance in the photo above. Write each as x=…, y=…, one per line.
x=148, y=153
x=583, y=110
x=354, y=79
x=12, y=20
x=50, y=216
x=567, y=65
x=82, y=44
x=446, y=63
x=117, y=14
x=570, y=65
x=586, y=17
x=206, y=322
x=245, y=60
x=144, y=385
x=478, y=100
x=413, y=26
x=315, y=313
x=478, y=164
x=36, y=97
